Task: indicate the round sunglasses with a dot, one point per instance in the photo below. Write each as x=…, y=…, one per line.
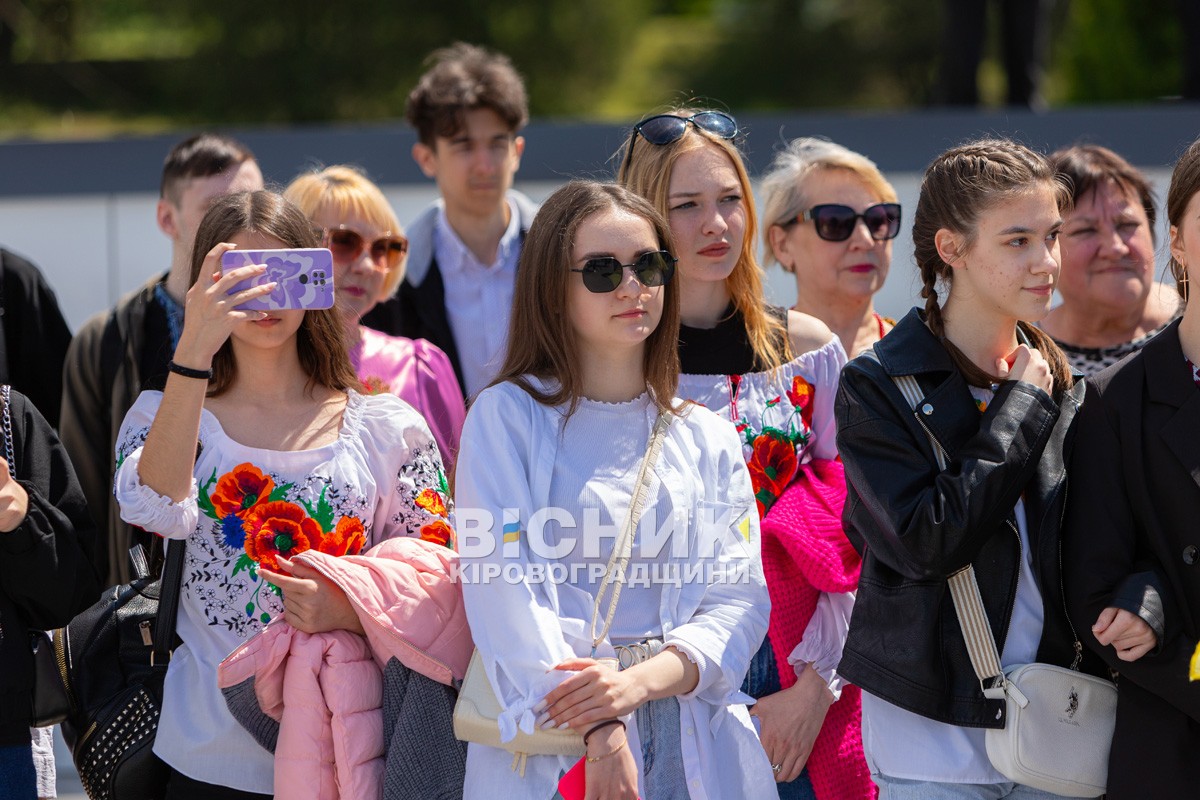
x=347, y=246
x=835, y=222
x=652, y=269
x=664, y=129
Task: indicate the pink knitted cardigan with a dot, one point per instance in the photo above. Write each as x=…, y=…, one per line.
x=805, y=552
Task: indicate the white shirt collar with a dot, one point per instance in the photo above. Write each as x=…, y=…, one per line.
x=453, y=255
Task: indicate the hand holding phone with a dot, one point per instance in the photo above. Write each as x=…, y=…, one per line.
x=303, y=277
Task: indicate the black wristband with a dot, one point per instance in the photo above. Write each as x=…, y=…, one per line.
x=188, y=372
x=599, y=725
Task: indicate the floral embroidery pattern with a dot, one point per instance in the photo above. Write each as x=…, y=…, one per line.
x=775, y=449
x=435, y=502
x=267, y=520
x=373, y=384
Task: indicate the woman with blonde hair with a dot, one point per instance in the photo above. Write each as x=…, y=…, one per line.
x=814, y=196
x=772, y=373
x=369, y=250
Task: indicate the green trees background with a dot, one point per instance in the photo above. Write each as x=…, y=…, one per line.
x=88, y=67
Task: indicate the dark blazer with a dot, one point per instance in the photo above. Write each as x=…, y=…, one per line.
x=418, y=308
x=33, y=335
x=915, y=524
x=46, y=574
x=1135, y=509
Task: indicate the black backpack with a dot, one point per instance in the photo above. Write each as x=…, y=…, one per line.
x=113, y=659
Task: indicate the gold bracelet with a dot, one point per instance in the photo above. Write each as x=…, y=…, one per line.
x=609, y=754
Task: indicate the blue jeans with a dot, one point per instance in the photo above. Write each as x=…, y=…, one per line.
x=900, y=789
x=662, y=755
x=761, y=680
x=18, y=780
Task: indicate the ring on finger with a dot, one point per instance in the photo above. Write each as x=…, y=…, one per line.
x=776, y=768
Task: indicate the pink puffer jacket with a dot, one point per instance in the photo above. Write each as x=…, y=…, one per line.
x=325, y=689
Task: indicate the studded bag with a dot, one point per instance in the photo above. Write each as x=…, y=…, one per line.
x=114, y=658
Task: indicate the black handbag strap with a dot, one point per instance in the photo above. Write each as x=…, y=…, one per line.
x=168, y=603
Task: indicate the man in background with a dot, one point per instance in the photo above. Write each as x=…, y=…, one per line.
x=468, y=109
x=121, y=352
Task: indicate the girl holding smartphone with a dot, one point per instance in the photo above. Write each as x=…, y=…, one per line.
x=258, y=448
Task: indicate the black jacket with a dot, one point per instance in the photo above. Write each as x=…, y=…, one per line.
x=33, y=337
x=1135, y=508
x=46, y=573
x=915, y=525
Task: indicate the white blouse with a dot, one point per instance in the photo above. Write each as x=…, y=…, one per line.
x=792, y=405
x=380, y=478
x=526, y=619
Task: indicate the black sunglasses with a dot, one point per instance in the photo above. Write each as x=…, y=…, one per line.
x=835, y=222
x=666, y=128
x=602, y=275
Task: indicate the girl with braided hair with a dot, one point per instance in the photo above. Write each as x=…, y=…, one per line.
x=998, y=399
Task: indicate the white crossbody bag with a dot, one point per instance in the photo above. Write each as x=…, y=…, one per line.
x=1058, y=722
x=477, y=711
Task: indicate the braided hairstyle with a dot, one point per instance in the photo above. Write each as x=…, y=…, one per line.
x=959, y=186
x=1185, y=182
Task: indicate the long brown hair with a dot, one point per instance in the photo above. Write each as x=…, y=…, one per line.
x=959, y=186
x=541, y=339
x=320, y=342
x=1185, y=182
x=648, y=172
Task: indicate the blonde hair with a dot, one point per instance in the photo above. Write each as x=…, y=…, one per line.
x=781, y=189
x=341, y=191
x=648, y=172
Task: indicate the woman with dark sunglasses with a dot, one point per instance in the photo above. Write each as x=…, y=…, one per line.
x=772, y=373
x=831, y=219
x=588, y=384
x=361, y=230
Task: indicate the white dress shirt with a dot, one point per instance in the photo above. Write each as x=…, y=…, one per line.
x=478, y=299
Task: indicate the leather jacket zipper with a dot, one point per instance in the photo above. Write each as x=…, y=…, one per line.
x=1062, y=587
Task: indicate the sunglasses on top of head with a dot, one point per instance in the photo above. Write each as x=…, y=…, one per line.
x=652, y=269
x=347, y=245
x=664, y=129
x=835, y=222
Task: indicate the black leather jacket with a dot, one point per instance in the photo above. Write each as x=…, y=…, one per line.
x=915, y=525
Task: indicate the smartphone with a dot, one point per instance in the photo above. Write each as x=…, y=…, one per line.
x=304, y=277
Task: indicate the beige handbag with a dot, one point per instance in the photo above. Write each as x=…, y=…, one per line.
x=1059, y=722
x=477, y=711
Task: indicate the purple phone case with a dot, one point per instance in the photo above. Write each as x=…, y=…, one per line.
x=304, y=277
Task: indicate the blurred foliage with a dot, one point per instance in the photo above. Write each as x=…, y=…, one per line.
x=137, y=64
x=1115, y=50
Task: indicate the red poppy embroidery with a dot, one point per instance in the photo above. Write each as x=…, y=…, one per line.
x=240, y=490
x=347, y=539
x=772, y=467
x=278, y=529
x=801, y=395
x=438, y=532
x=431, y=500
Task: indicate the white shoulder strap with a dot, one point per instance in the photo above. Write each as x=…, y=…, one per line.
x=964, y=588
